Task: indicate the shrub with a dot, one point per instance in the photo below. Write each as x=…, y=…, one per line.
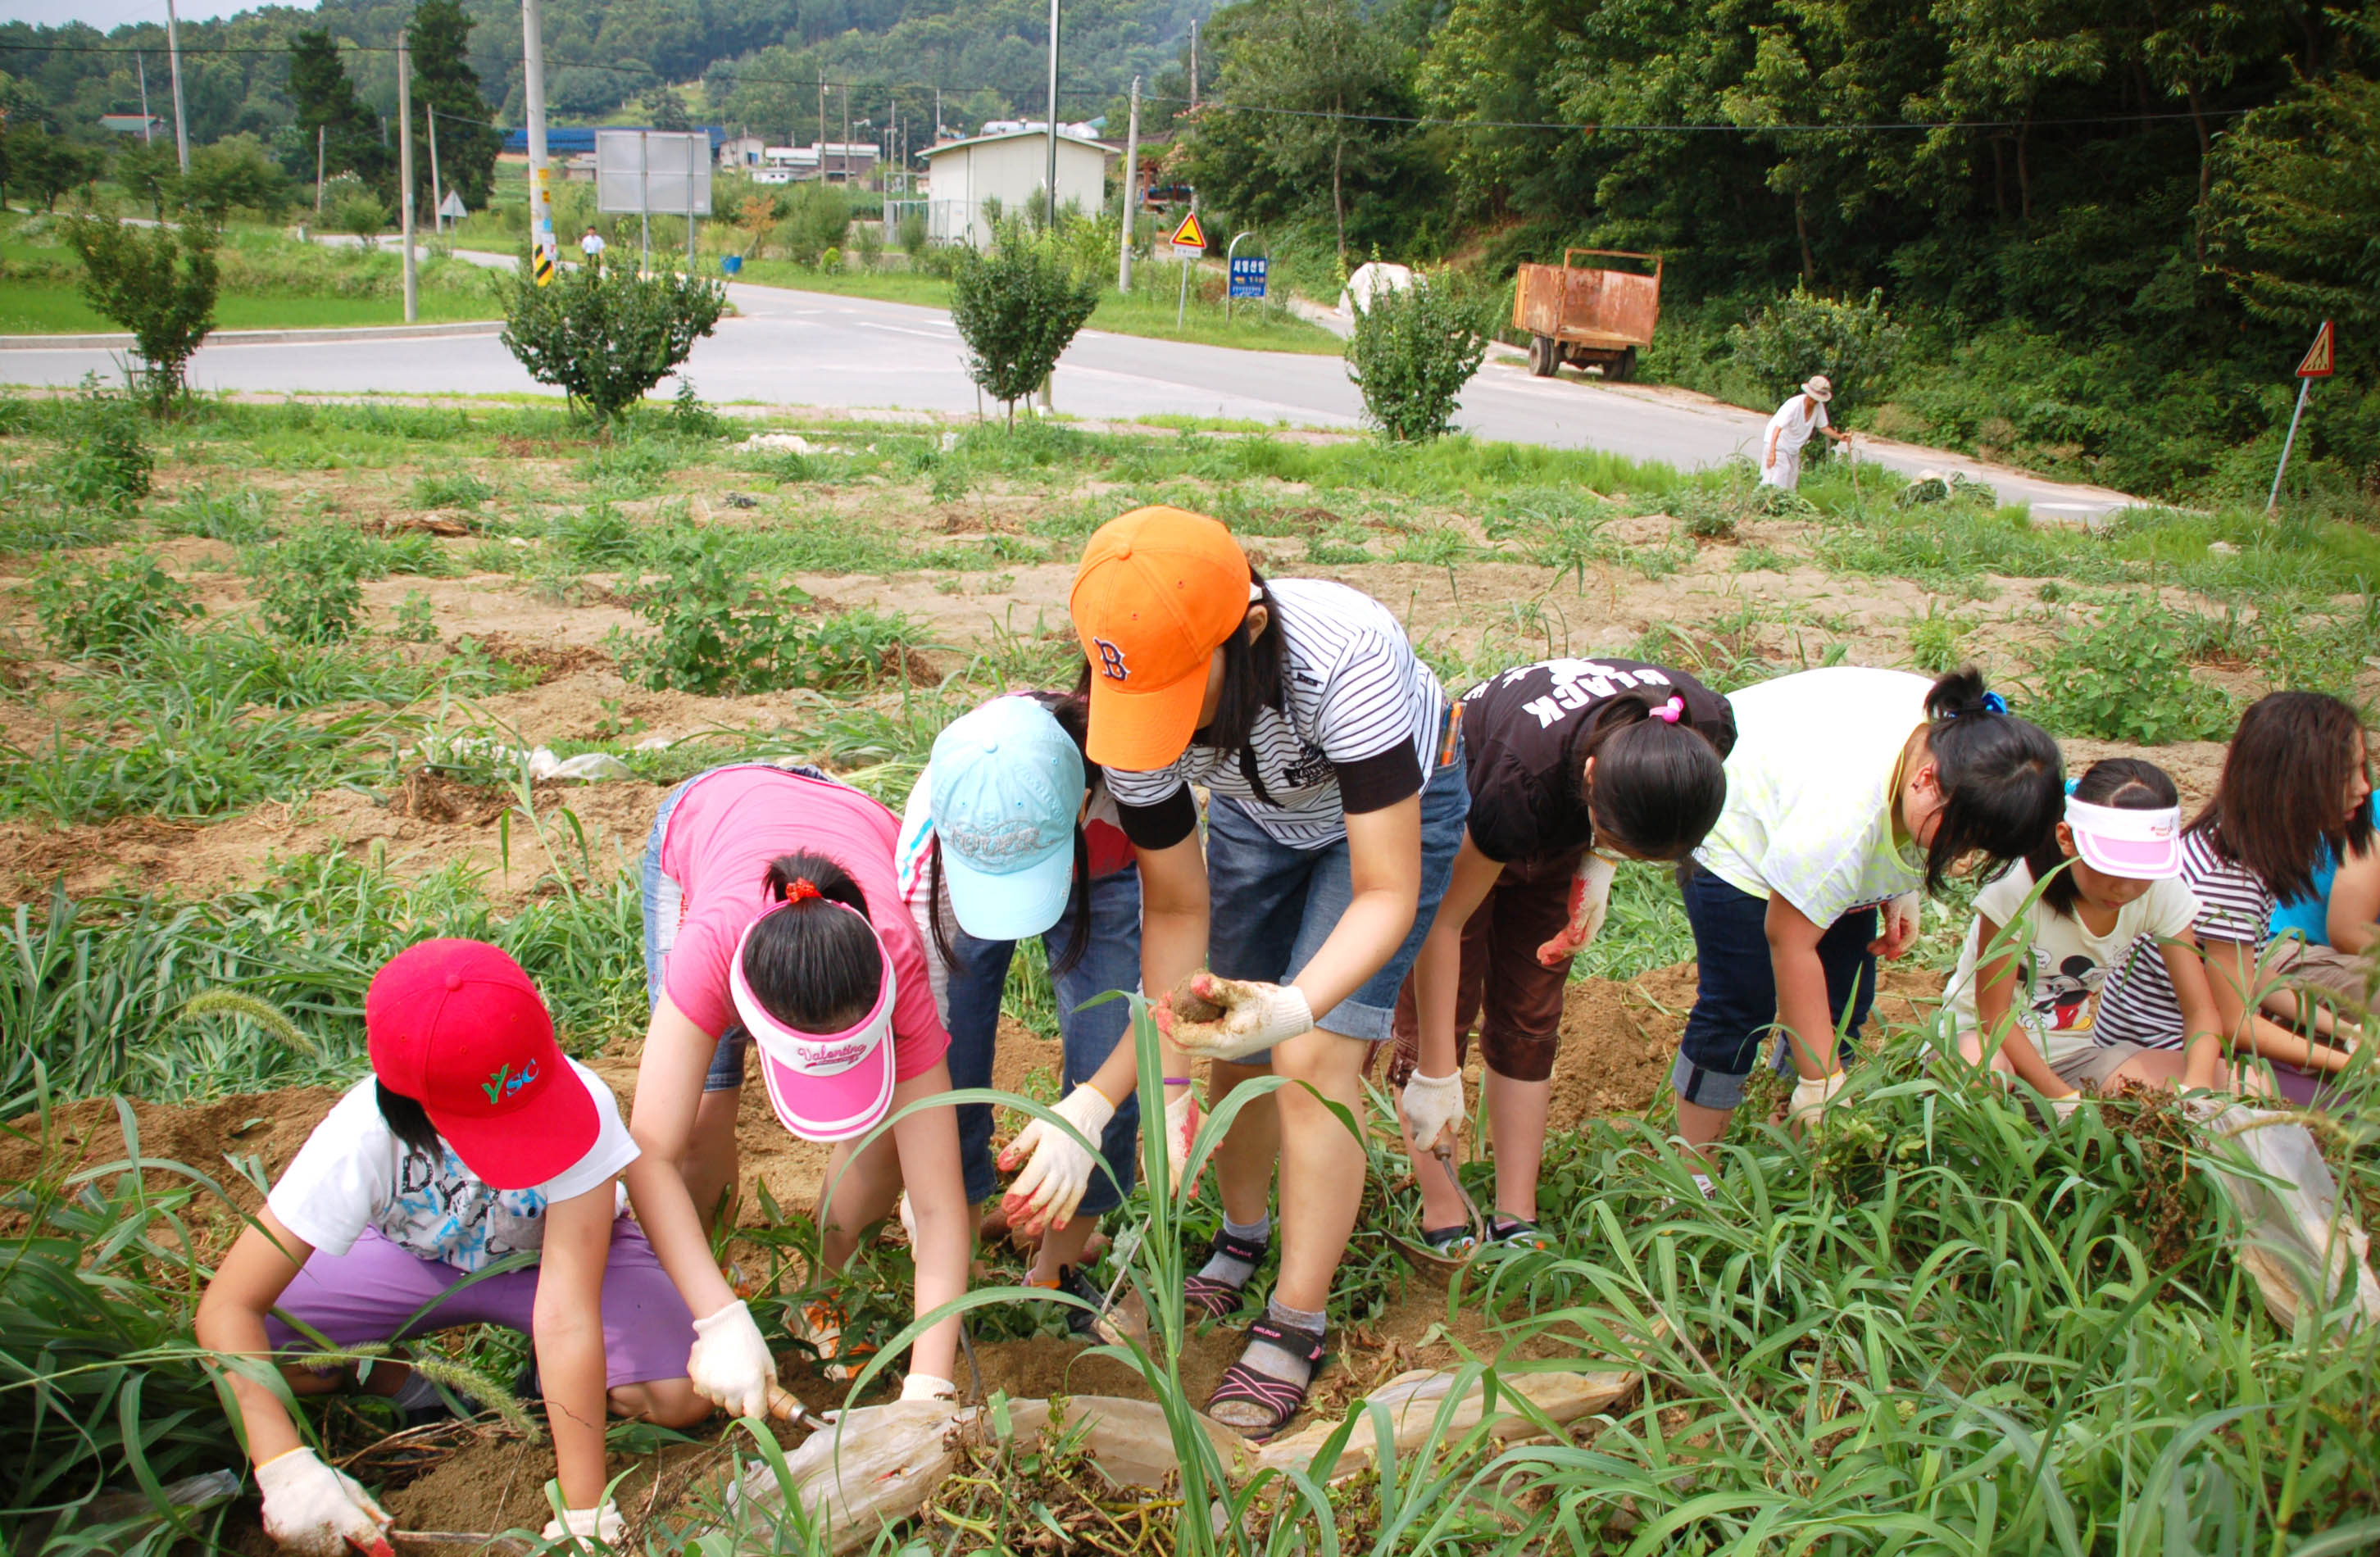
x=1413, y=351
x=1017, y=309
x=450, y=489
x=308, y=588
x=362, y=212
x=104, y=463
x=2125, y=677
x=241, y=518
x=913, y=234
x=606, y=340
x=817, y=215
x=103, y=610
x=723, y=632
x=1854, y=344
x=159, y=283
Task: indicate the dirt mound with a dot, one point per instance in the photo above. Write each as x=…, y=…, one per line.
x=548, y=660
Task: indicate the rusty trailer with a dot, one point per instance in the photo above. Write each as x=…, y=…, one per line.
x=1572, y=313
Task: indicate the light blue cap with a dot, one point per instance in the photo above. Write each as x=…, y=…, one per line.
x=1006, y=786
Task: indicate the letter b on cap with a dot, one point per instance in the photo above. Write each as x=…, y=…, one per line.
x=1111, y=660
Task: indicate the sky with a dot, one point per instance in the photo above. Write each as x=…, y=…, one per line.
x=108, y=15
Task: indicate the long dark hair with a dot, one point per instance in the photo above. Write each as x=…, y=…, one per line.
x=813, y=966
x=1658, y=786
x=408, y=1122
x=1253, y=681
x=2124, y=783
x=2277, y=803
x=2003, y=782
x=1072, y=712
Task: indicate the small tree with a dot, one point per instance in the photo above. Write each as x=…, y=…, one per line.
x=1411, y=352
x=150, y=172
x=360, y=212
x=235, y=172
x=1018, y=310
x=157, y=282
x=605, y=343
x=1855, y=344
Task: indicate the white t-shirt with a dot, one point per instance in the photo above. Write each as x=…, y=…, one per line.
x=353, y=1173
x=1809, y=801
x=1792, y=428
x=1355, y=689
x=591, y=245
x=2065, y=966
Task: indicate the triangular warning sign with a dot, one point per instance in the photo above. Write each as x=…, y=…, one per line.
x=2318, y=358
x=1189, y=234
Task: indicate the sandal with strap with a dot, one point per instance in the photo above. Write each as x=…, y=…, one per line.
x=1454, y=1242
x=1270, y=1403
x=1517, y=1232
x=1210, y=1297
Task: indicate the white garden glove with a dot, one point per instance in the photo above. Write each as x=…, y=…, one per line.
x=1252, y=1016
x=925, y=1386
x=1811, y=1096
x=1183, y=1119
x=315, y=1510
x=730, y=1364
x=1590, y=900
x=602, y=1523
x=1899, y=927
x=1054, y=1181
x=2064, y=1107
x=1432, y=1107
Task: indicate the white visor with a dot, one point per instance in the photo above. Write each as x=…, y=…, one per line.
x=2142, y=845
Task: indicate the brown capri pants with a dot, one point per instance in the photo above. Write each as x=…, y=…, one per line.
x=1520, y=1028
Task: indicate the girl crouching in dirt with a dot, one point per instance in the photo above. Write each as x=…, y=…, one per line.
x=474, y=1139
x=1574, y=764
x=773, y=916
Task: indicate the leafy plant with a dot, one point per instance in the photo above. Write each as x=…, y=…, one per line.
x=2124, y=676
x=159, y=283
x=1856, y=344
x=723, y=632
x=1938, y=640
x=106, y=462
x=308, y=588
x=105, y=610
x=241, y=518
x=1411, y=352
x=606, y=340
x=450, y=489
x=1017, y=309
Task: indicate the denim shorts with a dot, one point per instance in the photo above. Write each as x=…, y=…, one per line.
x=1111, y=960
x=1735, y=997
x=664, y=904
x=1271, y=906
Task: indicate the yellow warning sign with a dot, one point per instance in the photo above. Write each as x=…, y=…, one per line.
x=1189, y=238
x=543, y=265
x=2319, y=357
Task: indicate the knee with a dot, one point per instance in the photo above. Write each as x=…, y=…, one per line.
x=669, y=1403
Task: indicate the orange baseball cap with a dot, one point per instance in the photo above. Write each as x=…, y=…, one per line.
x=1157, y=592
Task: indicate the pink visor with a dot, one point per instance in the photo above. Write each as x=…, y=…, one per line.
x=2139, y=845
x=824, y=1085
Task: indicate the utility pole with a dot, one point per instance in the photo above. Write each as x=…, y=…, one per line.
x=540, y=200
x=148, y=126
x=405, y=172
x=321, y=144
x=1051, y=221
x=181, y=124
x=437, y=189
x=822, y=136
x=1194, y=63
x=1131, y=191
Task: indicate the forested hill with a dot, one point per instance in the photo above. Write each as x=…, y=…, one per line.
x=760, y=60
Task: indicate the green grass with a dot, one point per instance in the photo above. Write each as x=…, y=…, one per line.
x=60, y=310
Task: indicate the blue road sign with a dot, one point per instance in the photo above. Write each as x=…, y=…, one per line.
x=1248, y=275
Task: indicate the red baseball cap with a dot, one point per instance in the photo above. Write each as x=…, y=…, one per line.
x=457, y=1027
x=1159, y=589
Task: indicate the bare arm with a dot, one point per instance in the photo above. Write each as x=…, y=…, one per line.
x=928, y=1142
x=568, y=1326
x=261, y=1264
x=1172, y=944
x=1438, y=967
x=1995, y=999
x=669, y=1088
x=1801, y=988
x=2233, y=975
x=2355, y=904
x=2201, y=1014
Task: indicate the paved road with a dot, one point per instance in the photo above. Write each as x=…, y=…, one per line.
x=811, y=348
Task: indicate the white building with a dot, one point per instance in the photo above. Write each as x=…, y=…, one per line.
x=843, y=161
x=741, y=152
x=1012, y=167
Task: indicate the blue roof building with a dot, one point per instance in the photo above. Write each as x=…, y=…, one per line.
x=570, y=141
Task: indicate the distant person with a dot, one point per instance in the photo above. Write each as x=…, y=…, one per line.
x=1780, y=463
x=592, y=246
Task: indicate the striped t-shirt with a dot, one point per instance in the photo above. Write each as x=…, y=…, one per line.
x=2234, y=905
x=1354, y=690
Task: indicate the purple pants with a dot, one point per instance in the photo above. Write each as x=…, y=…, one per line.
x=366, y=1293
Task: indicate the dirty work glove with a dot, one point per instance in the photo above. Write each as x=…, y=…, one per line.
x=1183, y=1119
x=1053, y=1181
x=1811, y=1096
x=316, y=1510
x=925, y=1386
x=1901, y=920
x=1590, y=899
x=1432, y=1107
x=1229, y=1018
x=730, y=1364
x=602, y=1523
x=2064, y=1107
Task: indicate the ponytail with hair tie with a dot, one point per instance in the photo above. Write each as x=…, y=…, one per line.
x=1668, y=713
x=801, y=889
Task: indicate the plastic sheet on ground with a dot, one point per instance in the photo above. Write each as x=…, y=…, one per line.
x=2299, y=1240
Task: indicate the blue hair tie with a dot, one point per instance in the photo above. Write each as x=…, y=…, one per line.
x=2072, y=784
x=1995, y=703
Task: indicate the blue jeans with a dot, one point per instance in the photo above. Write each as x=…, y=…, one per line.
x=664, y=900
x=1271, y=906
x=978, y=972
x=1735, y=998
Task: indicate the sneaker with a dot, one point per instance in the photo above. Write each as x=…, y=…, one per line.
x=820, y=1325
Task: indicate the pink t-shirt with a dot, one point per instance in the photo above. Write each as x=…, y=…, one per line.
x=721, y=835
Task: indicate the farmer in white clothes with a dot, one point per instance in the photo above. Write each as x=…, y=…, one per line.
x=1781, y=462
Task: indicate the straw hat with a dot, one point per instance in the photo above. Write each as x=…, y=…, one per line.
x=1818, y=387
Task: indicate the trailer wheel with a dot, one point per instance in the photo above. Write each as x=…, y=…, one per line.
x=1623, y=368
x=1545, y=356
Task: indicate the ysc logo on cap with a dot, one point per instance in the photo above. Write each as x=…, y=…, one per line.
x=1111, y=660
x=502, y=1084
